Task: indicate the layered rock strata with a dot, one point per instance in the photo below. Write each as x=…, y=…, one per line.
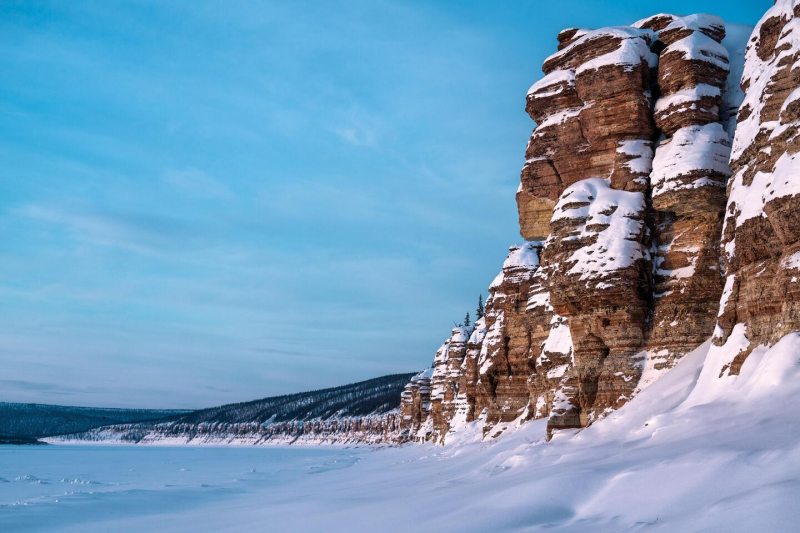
x=761, y=235
x=622, y=199
x=446, y=378
x=513, y=364
x=504, y=364
x=594, y=118
x=596, y=263
x=690, y=172
x=415, y=407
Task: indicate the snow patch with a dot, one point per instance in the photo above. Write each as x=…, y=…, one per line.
x=693, y=148
x=612, y=223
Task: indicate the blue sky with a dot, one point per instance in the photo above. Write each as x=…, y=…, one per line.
x=205, y=202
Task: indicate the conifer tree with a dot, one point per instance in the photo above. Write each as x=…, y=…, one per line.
x=480, y=310
x=466, y=320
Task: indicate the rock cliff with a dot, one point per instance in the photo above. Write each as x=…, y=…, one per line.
x=761, y=233
x=659, y=204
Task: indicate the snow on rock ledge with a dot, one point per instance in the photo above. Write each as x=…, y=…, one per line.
x=690, y=173
x=690, y=170
x=593, y=116
x=762, y=219
x=596, y=264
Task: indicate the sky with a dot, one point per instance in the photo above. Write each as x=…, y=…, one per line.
x=206, y=202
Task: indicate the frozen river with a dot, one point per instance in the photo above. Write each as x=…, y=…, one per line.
x=92, y=488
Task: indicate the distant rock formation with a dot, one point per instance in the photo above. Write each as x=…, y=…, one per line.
x=366, y=412
x=370, y=429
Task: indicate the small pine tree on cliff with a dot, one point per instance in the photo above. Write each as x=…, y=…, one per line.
x=466, y=320
x=480, y=310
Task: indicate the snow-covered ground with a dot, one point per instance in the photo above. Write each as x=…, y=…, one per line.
x=692, y=452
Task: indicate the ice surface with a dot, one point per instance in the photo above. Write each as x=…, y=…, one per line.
x=98, y=488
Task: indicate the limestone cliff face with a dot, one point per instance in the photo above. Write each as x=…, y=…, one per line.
x=597, y=269
x=593, y=111
x=761, y=234
x=654, y=217
x=690, y=171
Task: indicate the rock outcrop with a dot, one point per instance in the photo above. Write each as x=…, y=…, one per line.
x=415, y=406
x=446, y=377
x=623, y=196
x=596, y=264
x=593, y=111
x=690, y=172
x=761, y=235
x=504, y=364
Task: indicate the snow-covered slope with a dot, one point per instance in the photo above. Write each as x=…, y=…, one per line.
x=690, y=453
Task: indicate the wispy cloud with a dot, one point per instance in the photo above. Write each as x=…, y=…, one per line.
x=50, y=389
x=133, y=232
x=198, y=183
x=356, y=126
x=270, y=210
x=314, y=200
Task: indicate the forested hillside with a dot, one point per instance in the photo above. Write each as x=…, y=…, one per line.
x=374, y=396
x=39, y=420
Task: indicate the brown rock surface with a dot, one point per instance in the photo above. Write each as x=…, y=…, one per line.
x=465, y=403
x=551, y=350
x=506, y=368
x=690, y=172
x=692, y=70
x=446, y=379
x=625, y=199
x=596, y=263
x=415, y=407
x=761, y=235
x=503, y=364
x=593, y=102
